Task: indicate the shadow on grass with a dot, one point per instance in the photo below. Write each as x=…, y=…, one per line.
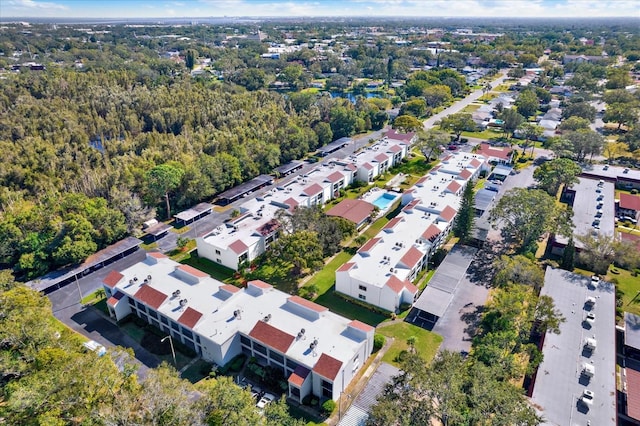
x=349, y=309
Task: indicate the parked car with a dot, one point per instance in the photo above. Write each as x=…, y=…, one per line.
x=94, y=346
x=452, y=147
x=265, y=400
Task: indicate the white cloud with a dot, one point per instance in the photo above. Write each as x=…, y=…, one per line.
x=33, y=4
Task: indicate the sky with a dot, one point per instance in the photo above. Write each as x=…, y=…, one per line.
x=264, y=8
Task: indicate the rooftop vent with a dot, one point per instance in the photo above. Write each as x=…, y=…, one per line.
x=149, y=278
x=237, y=314
x=175, y=294
x=266, y=318
x=183, y=303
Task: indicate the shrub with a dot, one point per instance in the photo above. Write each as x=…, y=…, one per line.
x=634, y=191
x=314, y=401
x=378, y=342
x=329, y=406
x=307, y=400
x=401, y=356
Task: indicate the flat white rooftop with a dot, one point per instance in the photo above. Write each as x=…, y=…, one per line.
x=212, y=305
x=559, y=383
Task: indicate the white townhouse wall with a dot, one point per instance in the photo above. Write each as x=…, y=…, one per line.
x=316, y=350
x=382, y=271
x=247, y=236
x=376, y=159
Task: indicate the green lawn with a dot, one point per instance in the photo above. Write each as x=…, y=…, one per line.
x=325, y=278
x=629, y=286
x=93, y=298
x=470, y=108
x=415, y=166
x=217, y=271
x=485, y=134
x=348, y=309
x=427, y=343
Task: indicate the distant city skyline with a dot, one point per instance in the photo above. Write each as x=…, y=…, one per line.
x=114, y=9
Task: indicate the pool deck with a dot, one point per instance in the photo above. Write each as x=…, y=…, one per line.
x=374, y=193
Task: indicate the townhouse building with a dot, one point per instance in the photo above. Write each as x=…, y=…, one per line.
x=317, y=351
x=382, y=271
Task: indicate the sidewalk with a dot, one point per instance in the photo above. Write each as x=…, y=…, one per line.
x=352, y=391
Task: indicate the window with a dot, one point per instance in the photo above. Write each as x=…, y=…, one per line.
x=292, y=365
x=175, y=326
x=276, y=357
x=363, y=288
x=218, y=252
x=132, y=302
x=362, y=297
x=187, y=333
x=141, y=307
x=259, y=348
x=328, y=393
x=245, y=341
x=153, y=313
x=197, y=339
x=164, y=320
x=295, y=392
x=218, y=260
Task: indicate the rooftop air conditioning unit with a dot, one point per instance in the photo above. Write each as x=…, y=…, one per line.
x=175, y=294
x=183, y=303
x=266, y=318
x=149, y=278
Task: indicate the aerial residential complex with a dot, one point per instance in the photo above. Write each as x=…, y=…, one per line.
x=249, y=234
x=318, y=351
x=382, y=271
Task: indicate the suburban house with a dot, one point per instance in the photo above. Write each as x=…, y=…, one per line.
x=595, y=214
x=382, y=271
x=356, y=211
x=629, y=206
x=495, y=154
x=317, y=351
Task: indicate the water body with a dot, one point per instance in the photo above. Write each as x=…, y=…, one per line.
x=352, y=97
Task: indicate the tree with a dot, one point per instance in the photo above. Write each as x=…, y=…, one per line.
x=597, y=252
x=531, y=132
x=407, y=123
x=574, y=123
x=569, y=255
x=585, y=142
x=437, y=95
x=224, y=403
x=343, y=121
x=621, y=113
x=546, y=316
x=458, y=123
x=161, y=180
x=613, y=149
x=523, y=215
x=554, y=174
x=466, y=214
x=527, y=103
x=300, y=249
x=190, y=59
x=512, y=119
x=518, y=270
x=579, y=109
x=414, y=107
x=430, y=141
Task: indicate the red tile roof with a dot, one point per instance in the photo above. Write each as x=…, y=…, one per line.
x=238, y=247
x=448, y=213
x=299, y=375
x=328, y=367
x=381, y=157
x=150, y=296
x=393, y=222
x=475, y=163
x=447, y=158
x=422, y=180
x=113, y=300
x=361, y=326
x=230, y=288
x=335, y=177
x=291, y=202
x=369, y=245
x=411, y=205
x=260, y=284
x=431, y=232
x=345, y=267
x=434, y=170
x=312, y=190
x=395, y=149
x=503, y=153
x=351, y=167
x=397, y=136
x=367, y=166
x=454, y=187
x=193, y=271
x=633, y=393
x=112, y=279
x=272, y=337
x=356, y=211
x=397, y=285
x=631, y=202
x=306, y=303
x=157, y=255
x=190, y=317
x=465, y=174
x=411, y=257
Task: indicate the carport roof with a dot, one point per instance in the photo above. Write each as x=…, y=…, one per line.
x=434, y=301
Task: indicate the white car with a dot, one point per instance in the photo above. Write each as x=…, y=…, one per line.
x=587, y=397
x=265, y=400
x=94, y=346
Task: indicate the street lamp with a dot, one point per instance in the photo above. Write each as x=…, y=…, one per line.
x=173, y=352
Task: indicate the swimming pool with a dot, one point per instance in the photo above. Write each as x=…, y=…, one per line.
x=383, y=201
